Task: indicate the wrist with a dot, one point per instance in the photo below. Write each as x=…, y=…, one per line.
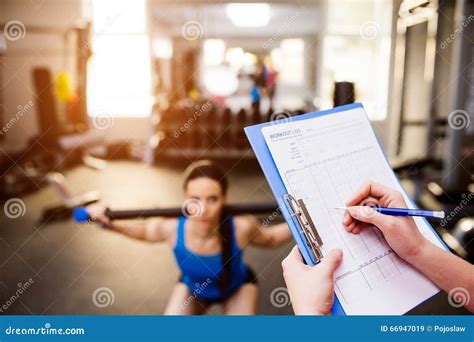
x=418, y=251
x=306, y=311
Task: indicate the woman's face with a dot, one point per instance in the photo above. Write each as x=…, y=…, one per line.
x=205, y=199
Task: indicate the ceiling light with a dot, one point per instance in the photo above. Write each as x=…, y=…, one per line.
x=248, y=15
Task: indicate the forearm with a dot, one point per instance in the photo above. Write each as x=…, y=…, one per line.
x=445, y=269
x=279, y=234
x=133, y=230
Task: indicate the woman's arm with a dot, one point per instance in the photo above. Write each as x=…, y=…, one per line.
x=446, y=270
x=153, y=230
x=274, y=236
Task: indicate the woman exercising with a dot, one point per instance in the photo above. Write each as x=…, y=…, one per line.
x=208, y=245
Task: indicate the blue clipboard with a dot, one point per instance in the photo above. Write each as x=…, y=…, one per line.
x=265, y=159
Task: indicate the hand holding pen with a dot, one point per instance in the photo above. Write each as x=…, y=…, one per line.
x=401, y=232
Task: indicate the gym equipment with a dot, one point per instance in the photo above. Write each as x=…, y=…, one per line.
x=225, y=135
x=440, y=115
x=63, y=137
x=242, y=119
x=457, y=174
x=20, y=180
x=80, y=214
x=460, y=238
x=201, y=129
x=256, y=116
x=70, y=201
x=344, y=93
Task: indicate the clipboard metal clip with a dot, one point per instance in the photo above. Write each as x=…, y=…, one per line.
x=306, y=225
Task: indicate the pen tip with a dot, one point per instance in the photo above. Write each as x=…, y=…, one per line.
x=340, y=208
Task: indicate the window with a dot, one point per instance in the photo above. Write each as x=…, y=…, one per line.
x=119, y=75
x=292, y=61
x=357, y=49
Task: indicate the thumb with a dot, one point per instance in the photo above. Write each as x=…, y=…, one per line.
x=332, y=260
x=293, y=260
x=368, y=215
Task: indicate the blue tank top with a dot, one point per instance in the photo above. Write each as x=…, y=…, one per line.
x=201, y=272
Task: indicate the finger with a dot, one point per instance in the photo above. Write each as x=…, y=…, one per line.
x=296, y=254
x=371, y=201
x=96, y=209
x=369, y=215
x=332, y=260
x=293, y=259
x=360, y=226
x=347, y=219
x=352, y=226
x=104, y=218
x=369, y=188
x=352, y=223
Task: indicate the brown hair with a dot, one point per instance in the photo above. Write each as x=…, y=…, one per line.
x=208, y=169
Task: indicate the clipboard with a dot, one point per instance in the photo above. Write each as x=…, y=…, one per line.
x=294, y=211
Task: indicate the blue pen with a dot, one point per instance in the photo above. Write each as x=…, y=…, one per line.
x=403, y=211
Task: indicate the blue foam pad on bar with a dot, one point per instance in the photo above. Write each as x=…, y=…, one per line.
x=80, y=215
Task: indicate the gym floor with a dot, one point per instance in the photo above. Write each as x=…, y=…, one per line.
x=67, y=262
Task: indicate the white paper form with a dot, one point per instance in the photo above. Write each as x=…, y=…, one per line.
x=324, y=161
